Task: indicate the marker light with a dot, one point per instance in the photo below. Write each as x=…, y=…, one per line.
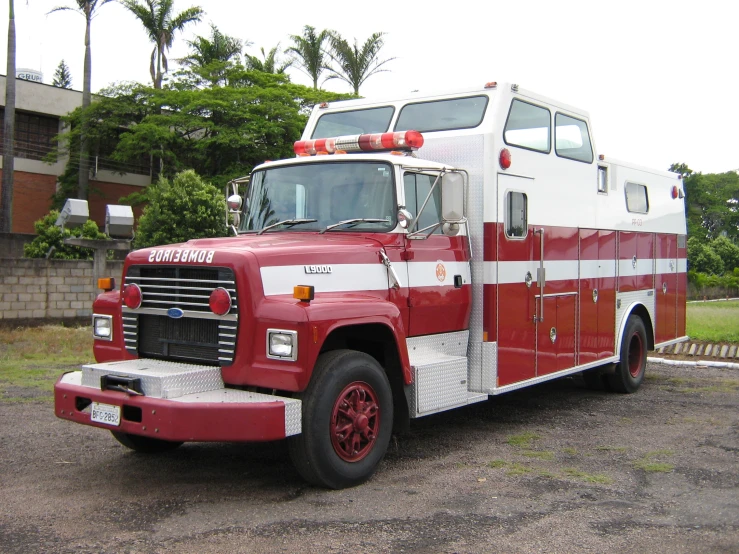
x=674, y=192
x=505, y=158
x=106, y=283
x=220, y=301
x=405, y=140
x=304, y=293
x=132, y=296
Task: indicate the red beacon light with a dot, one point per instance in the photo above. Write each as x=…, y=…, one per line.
x=374, y=142
x=220, y=301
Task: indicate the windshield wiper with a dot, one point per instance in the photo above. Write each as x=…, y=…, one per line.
x=353, y=222
x=288, y=222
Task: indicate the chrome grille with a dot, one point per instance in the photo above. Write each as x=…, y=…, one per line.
x=199, y=335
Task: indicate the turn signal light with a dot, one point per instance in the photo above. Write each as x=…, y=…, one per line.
x=304, y=293
x=106, y=283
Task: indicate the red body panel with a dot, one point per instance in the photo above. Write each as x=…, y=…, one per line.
x=179, y=421
x=666, y=290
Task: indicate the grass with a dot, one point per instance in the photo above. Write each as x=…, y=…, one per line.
x=713, y=321
x=588, y=477
x=32, y=359
x=523, y=440
x=695, y=385
x=648, y=463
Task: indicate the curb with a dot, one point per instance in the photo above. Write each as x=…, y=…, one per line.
x=697, y=363
x=720, y=350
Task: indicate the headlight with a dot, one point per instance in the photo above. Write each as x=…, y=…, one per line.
x=282, y=345
x=102, y=327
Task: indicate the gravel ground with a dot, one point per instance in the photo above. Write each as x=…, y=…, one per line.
x=554, y=468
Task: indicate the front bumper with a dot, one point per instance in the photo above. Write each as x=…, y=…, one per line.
x=219, y=414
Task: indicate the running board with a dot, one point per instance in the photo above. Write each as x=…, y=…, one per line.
x=439, y=384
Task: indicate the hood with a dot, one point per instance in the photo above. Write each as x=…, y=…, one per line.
x=270, y=249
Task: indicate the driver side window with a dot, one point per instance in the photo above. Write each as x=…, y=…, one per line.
x=417, y=187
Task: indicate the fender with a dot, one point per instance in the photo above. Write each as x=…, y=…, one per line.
x=109, y=303
x=330, y=314
x=649, y=324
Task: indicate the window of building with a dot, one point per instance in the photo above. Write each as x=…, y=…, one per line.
x=442, y=115
x=637, y=199
x=354, y=122
x=417, y=187
x=34, y=134
x=572, y=139
x=528, y=126
x=516, y=215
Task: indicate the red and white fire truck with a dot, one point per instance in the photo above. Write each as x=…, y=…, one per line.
x=417, y=255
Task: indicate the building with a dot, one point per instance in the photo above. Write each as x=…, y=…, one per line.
x=39, y=109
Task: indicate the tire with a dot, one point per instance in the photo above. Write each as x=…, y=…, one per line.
x=630, y=368
x=334, y=450
x=144, y=445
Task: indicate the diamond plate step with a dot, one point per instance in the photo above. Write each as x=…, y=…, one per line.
x=159, y=379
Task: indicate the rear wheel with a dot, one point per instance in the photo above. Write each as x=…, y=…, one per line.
x=145, y=445
x=630, y=369
x=347, y=421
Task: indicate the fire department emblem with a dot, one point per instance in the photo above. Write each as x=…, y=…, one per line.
x=440, y=272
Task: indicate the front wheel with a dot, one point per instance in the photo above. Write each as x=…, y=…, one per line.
x=630, y=368
x=347, y=421
x=144, y=445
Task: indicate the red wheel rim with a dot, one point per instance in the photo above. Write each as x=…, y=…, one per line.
x=635, y=355
x=355, y=422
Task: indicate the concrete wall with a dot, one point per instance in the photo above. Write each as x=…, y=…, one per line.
x=40, y=291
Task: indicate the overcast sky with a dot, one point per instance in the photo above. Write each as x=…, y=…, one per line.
x=659, y=78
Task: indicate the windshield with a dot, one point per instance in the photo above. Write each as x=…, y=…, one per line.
x=328, y=192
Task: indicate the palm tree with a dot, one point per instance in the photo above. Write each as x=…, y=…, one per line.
x=270, y=63
x=309, y=53
x=161, y=25
x=217, y=48
x=87, y=8
x=6, y=200
x=355, y=64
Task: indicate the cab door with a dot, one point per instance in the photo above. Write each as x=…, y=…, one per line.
x=439, y=278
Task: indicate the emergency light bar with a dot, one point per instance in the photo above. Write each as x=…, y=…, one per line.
x=399, y=140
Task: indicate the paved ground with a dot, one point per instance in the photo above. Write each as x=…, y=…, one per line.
x=556, y=468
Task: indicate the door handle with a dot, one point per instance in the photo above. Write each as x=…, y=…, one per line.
x=541, y=273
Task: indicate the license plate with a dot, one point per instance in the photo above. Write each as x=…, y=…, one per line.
x=106, y=413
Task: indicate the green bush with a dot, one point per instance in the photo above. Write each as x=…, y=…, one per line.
x=727, y=251
x=51, y=236
x=183, y=209
x=703, y=259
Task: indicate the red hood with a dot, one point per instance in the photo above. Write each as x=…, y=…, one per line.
x=270, y=249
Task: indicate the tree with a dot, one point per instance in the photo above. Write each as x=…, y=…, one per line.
x=727, y=251
x=309, y=52
x=681, y=169
x=703, y=259
x=269, y=64
x=355, y=64
x=62, y=76
x=49, y=236
x=220, y=132
x=217, y=48
x=161, y=25
x=712, y=205
x=88, y=9
x=6, y=210
x=180, y=210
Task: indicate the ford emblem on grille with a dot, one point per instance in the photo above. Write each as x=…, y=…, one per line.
x=175, y=313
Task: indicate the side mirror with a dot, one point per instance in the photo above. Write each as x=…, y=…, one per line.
x=452, y=197
x=234, y=208
x=405, y=218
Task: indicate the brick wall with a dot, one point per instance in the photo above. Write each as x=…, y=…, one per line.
x=39, y=291
x=32, y=194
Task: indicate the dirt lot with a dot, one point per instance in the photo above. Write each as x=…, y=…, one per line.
x=555, y=468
